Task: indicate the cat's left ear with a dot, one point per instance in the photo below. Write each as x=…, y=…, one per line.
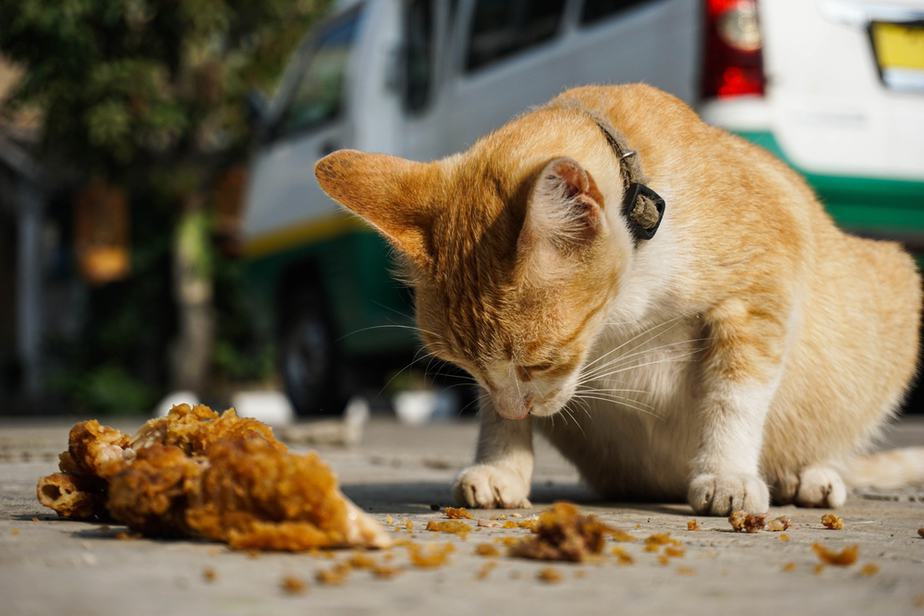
x=391, y=193
x=564, y=211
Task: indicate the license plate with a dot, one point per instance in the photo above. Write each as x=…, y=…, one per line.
x=900, y=54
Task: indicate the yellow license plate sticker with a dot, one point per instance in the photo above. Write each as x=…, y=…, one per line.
x=899, y=46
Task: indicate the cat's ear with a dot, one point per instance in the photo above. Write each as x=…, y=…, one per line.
x=564, y=211
x=391, y=193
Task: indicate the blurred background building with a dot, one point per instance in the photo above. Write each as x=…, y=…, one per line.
x=160, y=229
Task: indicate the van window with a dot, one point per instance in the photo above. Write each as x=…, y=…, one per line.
x=501, y=28
x=418, y=60
x=318, y=96
x=598, y=10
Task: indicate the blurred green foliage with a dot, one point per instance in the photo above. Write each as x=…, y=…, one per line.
x=150, y=96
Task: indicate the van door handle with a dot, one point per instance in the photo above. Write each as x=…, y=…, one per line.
x=327, y=147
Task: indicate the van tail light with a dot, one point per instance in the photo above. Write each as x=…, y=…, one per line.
x=732, y=59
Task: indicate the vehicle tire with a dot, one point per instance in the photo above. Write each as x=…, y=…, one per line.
x=308, y=358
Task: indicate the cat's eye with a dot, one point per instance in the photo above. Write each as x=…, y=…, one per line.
x=539, y=367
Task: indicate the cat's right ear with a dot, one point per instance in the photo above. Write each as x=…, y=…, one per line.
x=390, y=193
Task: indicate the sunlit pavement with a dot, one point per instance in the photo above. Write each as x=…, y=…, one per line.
x=49, y=566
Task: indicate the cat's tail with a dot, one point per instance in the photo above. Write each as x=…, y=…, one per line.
x=890, y=469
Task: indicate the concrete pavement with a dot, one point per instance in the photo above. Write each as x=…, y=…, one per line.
x=49, y=566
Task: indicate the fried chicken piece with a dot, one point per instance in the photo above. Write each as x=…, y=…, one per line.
x=832, y=521
x=73, y=497
x=201, y=474
x=844, y=558
x=563, y=533
x=747, y=522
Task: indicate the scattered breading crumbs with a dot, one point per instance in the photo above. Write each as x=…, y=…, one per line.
x=657, y=539
x=622, y=556
x=14, y=531
x=692, y=525
x=688, y=571
x=209, y=574
x=486, y=549
x=869, y=569
x=844, y=558
x=432, y=556
x=652, y=547
x=384, y=572
x=742, y=521
x=789, y=567
x=485, y=523
x=408, y=525
x=485, y=570
x=562, y=532
x=334, y=576
x=580, y=573
x=784, y=537
x=664, y=560
x=819, y=569
x=549, y=575
x=293, y=585
x=458, y=513
x=361, y=561
x=674, y=552
x=832, y=521
x=779, y=524
x=389, y=520
x=455, y=527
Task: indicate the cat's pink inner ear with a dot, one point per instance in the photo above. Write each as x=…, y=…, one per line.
x=391, y=193
x=565, y=208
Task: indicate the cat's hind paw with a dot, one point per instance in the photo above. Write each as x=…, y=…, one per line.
x=489, y=487
x=719, y=495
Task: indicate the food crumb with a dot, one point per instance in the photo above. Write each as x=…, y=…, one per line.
x=484, y=523
x=919, y=600
x=779, y=524
x=485, y=570
x=549, y=575
x=430, y=557
x=682, y=570
x=458, y=513
x=486, y=549
x=742, y=521
x=389, y=520
x=622, y=556
x=844, y=558
x=580, y=573
x=14, y=531
x=361, y=561
x=384, y=572
x=832, y=521
x=664, y=560
x=819, y=568
x=661, y=539
x=562, y=532
x=869, y=569
x=618, y=534
x=334, y=576
x=789, y=567
x=674, y=552
x=209, y=574
x=784, y=537
x=692, y=525
x=408, y=525
x=293, y=585
x=455, y=527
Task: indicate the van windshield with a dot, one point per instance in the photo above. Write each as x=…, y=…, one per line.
x=317, y=96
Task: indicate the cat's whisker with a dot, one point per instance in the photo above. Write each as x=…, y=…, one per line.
x=605, y=394
x=387, y=325
x=616, y=360
x=683, y=357
x=654, y=331
x=412, y=362
x=624, y=402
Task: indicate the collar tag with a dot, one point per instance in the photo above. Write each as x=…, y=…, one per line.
x=644, y=209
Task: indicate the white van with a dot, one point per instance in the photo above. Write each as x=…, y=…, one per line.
x=422, y=79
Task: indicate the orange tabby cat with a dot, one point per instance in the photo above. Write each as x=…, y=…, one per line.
x=668, y=303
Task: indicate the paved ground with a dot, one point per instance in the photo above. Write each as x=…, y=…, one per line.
x=49, y=566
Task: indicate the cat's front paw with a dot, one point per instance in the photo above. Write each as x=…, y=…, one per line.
x=489, y=487
x=721, y=494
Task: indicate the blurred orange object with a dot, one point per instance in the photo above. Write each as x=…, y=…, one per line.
x=101, y=232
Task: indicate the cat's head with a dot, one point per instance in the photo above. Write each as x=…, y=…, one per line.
x=514, y=248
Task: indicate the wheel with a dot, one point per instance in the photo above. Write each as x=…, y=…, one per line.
x=308, y=358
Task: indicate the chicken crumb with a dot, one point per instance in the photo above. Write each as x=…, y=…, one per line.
x=832, y=521
x=485, y=570
x=486, y=549
x=869, y=569
x=844, y=558
x=458, y=513
x=692, y=525
x=209, y=574
x=742, y=521
x=549, y=575
x=682, y=570
x=784, y=537
x=333, y=576
x=622, y=556
x=455, y=527
x=293, y=585
x=779, y=524
x=789, y=567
